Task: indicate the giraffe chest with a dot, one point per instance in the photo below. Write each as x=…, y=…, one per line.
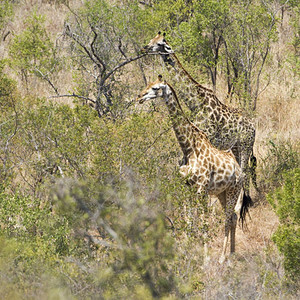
x=220, y=182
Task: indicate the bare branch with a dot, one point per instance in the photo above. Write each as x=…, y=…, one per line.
x=6, y=35
x=121, y=65
x=73, y=95
x=101, y=62
x=45, y=77
x=120, y=48
x=75, y=38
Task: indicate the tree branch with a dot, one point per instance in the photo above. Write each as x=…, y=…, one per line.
x=76, y=39
x=94, y=52
x=45, y=77
x=73, y=95
x=121, y=65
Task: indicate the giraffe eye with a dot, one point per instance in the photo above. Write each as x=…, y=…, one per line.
x=155, y=89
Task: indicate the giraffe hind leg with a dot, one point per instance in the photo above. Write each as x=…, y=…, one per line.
x=253, y=165
x=232, y=232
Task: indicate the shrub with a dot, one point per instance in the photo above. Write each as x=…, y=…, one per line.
x=286, y=202
x=281, y=157
x=125, y=232
x=30, y=220
x=32, y=51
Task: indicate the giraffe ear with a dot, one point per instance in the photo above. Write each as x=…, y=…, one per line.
x=160, y=77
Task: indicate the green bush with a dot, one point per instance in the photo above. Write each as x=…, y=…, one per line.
x=34, y=245
x=6, y=12
x=32, y=51
x=30, y=220
x=286, y=203
x=8, y=91
x=281, y=157
x=126, y=233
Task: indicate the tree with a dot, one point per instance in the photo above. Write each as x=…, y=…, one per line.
x=32, y=51
x=101, y=43
x=203, y=34
x=233, y=37
x=119, y=219
x=247, y=44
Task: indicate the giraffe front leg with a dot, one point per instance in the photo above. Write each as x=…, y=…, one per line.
x=230, y=221
x=227, y=228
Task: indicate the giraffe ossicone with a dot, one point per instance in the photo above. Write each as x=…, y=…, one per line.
x=212, y=171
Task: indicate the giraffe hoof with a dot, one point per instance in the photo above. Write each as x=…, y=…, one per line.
x=206, y=260
x=221, y=259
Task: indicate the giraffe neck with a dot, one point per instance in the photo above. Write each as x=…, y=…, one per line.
x=195, y=96
x=183, y=128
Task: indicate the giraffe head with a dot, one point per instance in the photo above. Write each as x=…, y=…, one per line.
x=155, y=89
x=160, y=46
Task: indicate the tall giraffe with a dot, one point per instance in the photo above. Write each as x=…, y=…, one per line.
x=212, y=171
x=226, y=127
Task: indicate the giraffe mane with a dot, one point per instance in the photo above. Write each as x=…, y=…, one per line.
x=233, y=109
x=189, y=76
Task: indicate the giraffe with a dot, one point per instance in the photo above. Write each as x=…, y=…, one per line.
x=226, y=127
x=210, y=170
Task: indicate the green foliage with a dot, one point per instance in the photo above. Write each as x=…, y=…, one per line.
x=8, y=90
x=32, y=51
x=9, y=102
x=231, y=37
x=53, y=142
x=248, y=43
x=30, y=220
x=6, y=12
x=132, y=144
x=102, y=40
x=294, y=56
x=122, y=223
x=157, y=18
x=286, y=203
x=33, y=242
x=203, y=31
x=280, y=158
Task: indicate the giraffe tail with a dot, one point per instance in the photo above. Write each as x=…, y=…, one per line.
x=253, y=165
x=247, y=202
